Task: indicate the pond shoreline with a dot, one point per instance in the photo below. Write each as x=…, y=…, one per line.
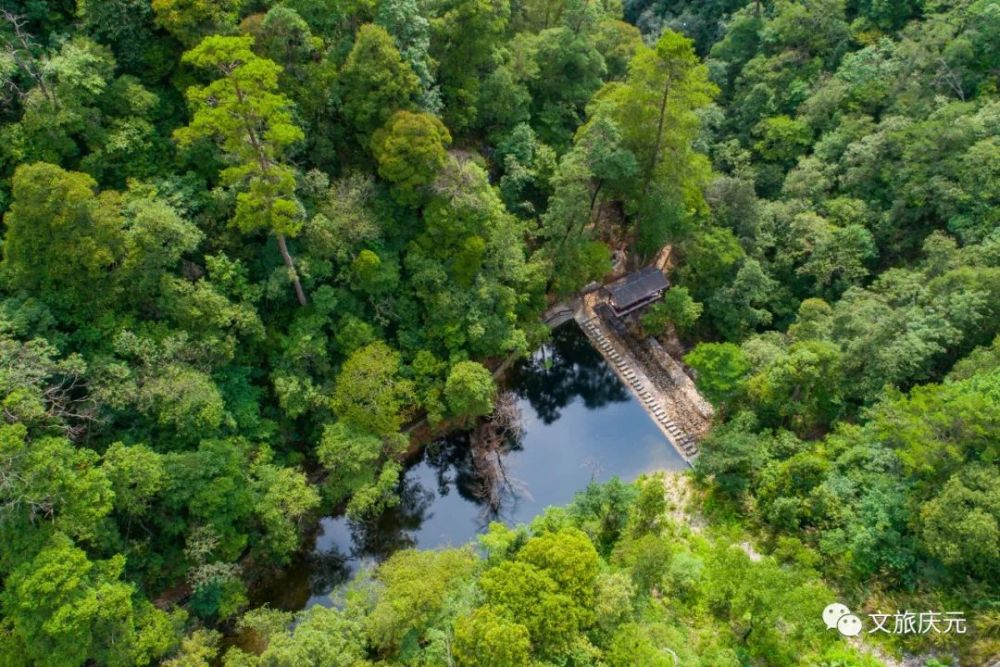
x=579, y=423
x=421, y=434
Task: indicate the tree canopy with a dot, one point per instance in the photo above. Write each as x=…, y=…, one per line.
x=256, y=254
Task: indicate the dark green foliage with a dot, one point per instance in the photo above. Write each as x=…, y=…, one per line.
x=677, y=308
x=375, y=82
x=427, y=177
x=660, y=591
x=721, y=367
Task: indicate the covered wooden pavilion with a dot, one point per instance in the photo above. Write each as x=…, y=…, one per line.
x=636, y=290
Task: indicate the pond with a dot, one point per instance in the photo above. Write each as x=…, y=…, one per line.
x=577, y=423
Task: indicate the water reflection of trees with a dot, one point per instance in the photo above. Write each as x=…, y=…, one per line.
x=452, y=465
x=328, y=569
x=472, y=462
x=563, y=369
x=394, y=529
x=374, y=539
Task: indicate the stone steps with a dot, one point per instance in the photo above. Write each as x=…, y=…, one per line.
x=683, y=442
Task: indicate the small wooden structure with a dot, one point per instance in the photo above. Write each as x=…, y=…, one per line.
x=636, y=290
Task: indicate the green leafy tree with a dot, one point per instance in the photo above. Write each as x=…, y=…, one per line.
x=487, y=639
x=470, y=269
x=34, y=387
x=375, y=82
x=769, y=607
x=524, y=594
x=782, y=139
x=631, y=645
x=677, y=308
x=54, y=487
x=937, y=427
x=354, y=460
x=78, y=115
x=156, y=238
x=571, y=70
x=836, y=257
x=416, y=585
x=369, y=394
x=410, y=150
x=285, y=38
x=528, y=169
x=575, y=256
x=309, y=74
x=742, y=306
x=191, y=20
x=136, y=474
x=411, y=31
x=464, y=36
x=118, y=244
x=734, y=455
x=606, y=505
x=68, y=610
x=649, y=506
x=569, y=558
x=712, y=257
x=254, y=127
x=284, y=499
x=127, y=27
x=63, y=240
x=196, y=650
x=504, y=99
x=721, y=367
x=961, y=524
x=655, y=108
x=610, y=160
x=319, y=636
x=617, y=42
x=538, y=15
x=801, y=388
x=469, y=390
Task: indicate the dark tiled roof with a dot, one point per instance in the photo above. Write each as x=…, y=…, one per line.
x=636, y=286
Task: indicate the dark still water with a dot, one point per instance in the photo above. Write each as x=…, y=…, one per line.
x=578, y=423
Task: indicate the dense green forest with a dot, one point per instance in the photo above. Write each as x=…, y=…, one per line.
x=246, y=243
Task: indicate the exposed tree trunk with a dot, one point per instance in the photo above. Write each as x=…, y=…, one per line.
x=17, y=23
x=657, y=147
x=489, y=444
x=290, y=263
x=265, y=168
x=593, y=197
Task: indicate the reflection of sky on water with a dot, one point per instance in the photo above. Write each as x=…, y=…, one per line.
x=580, y=424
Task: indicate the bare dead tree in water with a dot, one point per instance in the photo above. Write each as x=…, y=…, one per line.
x=490, y=443
x=594, y=466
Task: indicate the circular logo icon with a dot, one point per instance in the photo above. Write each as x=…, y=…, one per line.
x=849, y=625
x=832, y=614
